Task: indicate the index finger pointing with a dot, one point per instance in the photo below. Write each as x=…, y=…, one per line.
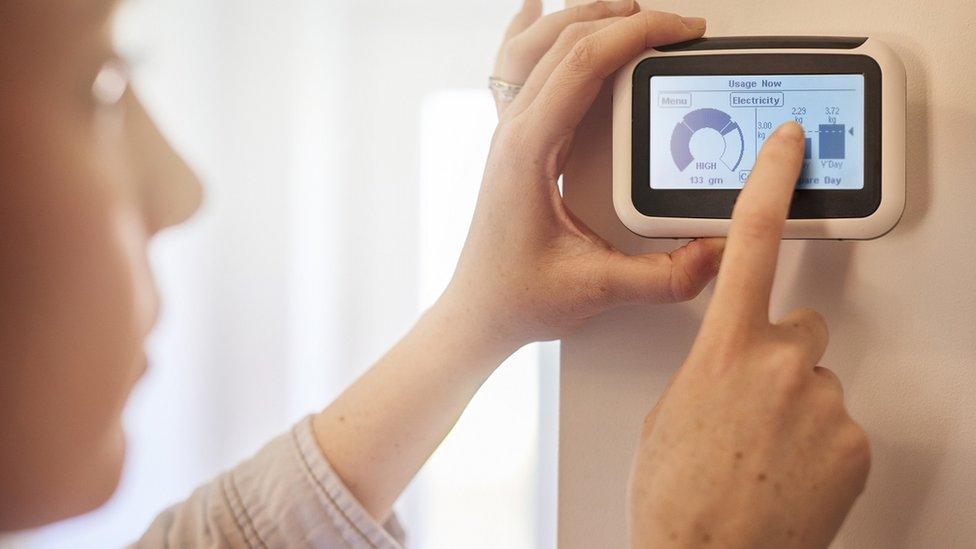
x=575, y=83
x=749, y=264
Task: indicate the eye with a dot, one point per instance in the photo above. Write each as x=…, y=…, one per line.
x=111, y=82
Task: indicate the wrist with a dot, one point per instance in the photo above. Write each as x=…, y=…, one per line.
x=475, y=326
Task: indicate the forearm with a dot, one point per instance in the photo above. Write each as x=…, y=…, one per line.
x=381, y=430
x=527, y=256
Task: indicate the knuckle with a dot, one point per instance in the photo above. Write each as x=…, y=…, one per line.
x=578, y=12
x=855, y=448
x=657, y=21
x=591, y=10
x=573, y=33
x=830, y=377
x=575, y=13
x=663, y=18
x=829, y=399
x=809, y=321
x=814, y=318
x=582, y=56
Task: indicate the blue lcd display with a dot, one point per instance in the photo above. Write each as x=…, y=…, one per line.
x=706, y=130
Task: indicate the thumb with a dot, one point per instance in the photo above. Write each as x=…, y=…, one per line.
x=665, y=277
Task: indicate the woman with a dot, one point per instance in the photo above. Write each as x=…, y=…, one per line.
x=87, y=180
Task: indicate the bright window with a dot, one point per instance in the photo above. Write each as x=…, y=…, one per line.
x=486, y=486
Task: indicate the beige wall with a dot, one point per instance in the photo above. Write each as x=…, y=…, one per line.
x=902, y=309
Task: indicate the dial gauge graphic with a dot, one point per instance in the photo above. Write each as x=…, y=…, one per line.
x=707, y=121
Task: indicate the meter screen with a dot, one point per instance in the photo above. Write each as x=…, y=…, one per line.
x=705, y=131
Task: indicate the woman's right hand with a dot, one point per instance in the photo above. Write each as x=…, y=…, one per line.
x=751, y=445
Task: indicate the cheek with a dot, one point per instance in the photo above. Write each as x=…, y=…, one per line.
x=106, y=317
x=78, y=303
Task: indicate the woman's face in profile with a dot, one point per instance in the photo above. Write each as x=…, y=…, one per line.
x=85, y=181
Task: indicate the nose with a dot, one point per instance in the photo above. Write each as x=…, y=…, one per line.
x=170, y=189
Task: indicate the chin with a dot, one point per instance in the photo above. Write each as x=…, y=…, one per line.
x=87, y=486
x=107, y=474
x=94, y=486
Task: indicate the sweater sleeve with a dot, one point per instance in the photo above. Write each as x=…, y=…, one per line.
x=285, y=496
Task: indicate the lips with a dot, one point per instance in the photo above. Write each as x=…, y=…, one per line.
x=152, y=318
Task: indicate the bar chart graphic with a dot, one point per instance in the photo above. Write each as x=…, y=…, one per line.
x=831, y=142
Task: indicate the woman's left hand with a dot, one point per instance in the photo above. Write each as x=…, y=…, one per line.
x=530, y=270
x=530, y=35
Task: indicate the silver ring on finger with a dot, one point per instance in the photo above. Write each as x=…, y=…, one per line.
x=504, y=92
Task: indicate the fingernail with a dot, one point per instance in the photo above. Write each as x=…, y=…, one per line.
x=696, y=24
x=790, y=130
x=622, y=7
